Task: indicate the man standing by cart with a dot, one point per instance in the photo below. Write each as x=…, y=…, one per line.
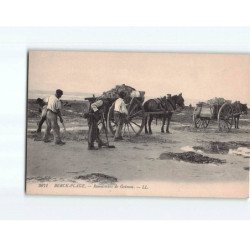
x=120, y=112
x=53, y=112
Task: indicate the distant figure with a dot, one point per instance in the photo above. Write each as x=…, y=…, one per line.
x=43, y=109
x=53, y=111
x=120, y=113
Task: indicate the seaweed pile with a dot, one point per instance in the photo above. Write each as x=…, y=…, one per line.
x=97, y=177
x=191, y=157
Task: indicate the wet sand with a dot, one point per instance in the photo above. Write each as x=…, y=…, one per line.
x=136, y=163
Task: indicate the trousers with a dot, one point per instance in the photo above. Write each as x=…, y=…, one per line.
x=119, y=119
x=51, y=121
x=93, y=133
x=43, y=119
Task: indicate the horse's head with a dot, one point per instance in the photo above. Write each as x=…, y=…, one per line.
x=179, y=100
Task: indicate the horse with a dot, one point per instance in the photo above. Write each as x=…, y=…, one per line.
x=238, y=110
x=167, y=105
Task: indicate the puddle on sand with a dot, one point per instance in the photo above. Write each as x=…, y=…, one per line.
x=242, y=151
x=191, y=157
x=215, y=147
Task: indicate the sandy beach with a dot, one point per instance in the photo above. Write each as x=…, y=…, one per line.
x=141, y=165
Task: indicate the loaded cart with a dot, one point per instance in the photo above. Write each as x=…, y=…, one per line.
x=134, y=121
x=136, y=118
x=204, y=113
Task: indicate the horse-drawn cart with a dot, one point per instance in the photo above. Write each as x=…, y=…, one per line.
x=204, y=113
x=136, y=118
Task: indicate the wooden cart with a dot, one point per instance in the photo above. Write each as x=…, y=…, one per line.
x=204, y=113
x=134, y=121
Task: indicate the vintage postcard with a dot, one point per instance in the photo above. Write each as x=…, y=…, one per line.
x=138, y=124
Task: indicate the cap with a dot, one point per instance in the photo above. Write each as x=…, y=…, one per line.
x=59, y=92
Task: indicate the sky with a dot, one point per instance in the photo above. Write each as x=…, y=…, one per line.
x=197, y=76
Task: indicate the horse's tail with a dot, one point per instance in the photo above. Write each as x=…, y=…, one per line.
x=146, y=124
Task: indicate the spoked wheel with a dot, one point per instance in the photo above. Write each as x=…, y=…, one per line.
x=225, y=117
x=201, y=122
x=134, y=121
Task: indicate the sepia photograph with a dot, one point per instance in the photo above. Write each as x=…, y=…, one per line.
x=138, y=124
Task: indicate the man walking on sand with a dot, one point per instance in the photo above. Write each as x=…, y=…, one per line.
x=53, y=111
x=120, y=113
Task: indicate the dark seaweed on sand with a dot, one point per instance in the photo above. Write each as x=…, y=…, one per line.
x=190, y=157
x=97, y=177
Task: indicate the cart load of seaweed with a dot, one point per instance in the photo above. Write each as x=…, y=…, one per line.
x=217, y=101
x=214, y=101
x=128, y=90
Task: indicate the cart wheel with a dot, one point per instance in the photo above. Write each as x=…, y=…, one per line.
x=205, y=123
x=225, y=117
x=134, y=121
x=201, y=122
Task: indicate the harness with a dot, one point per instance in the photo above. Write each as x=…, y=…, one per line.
x=159, y=102
x=162, y=104
x=171, y=103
